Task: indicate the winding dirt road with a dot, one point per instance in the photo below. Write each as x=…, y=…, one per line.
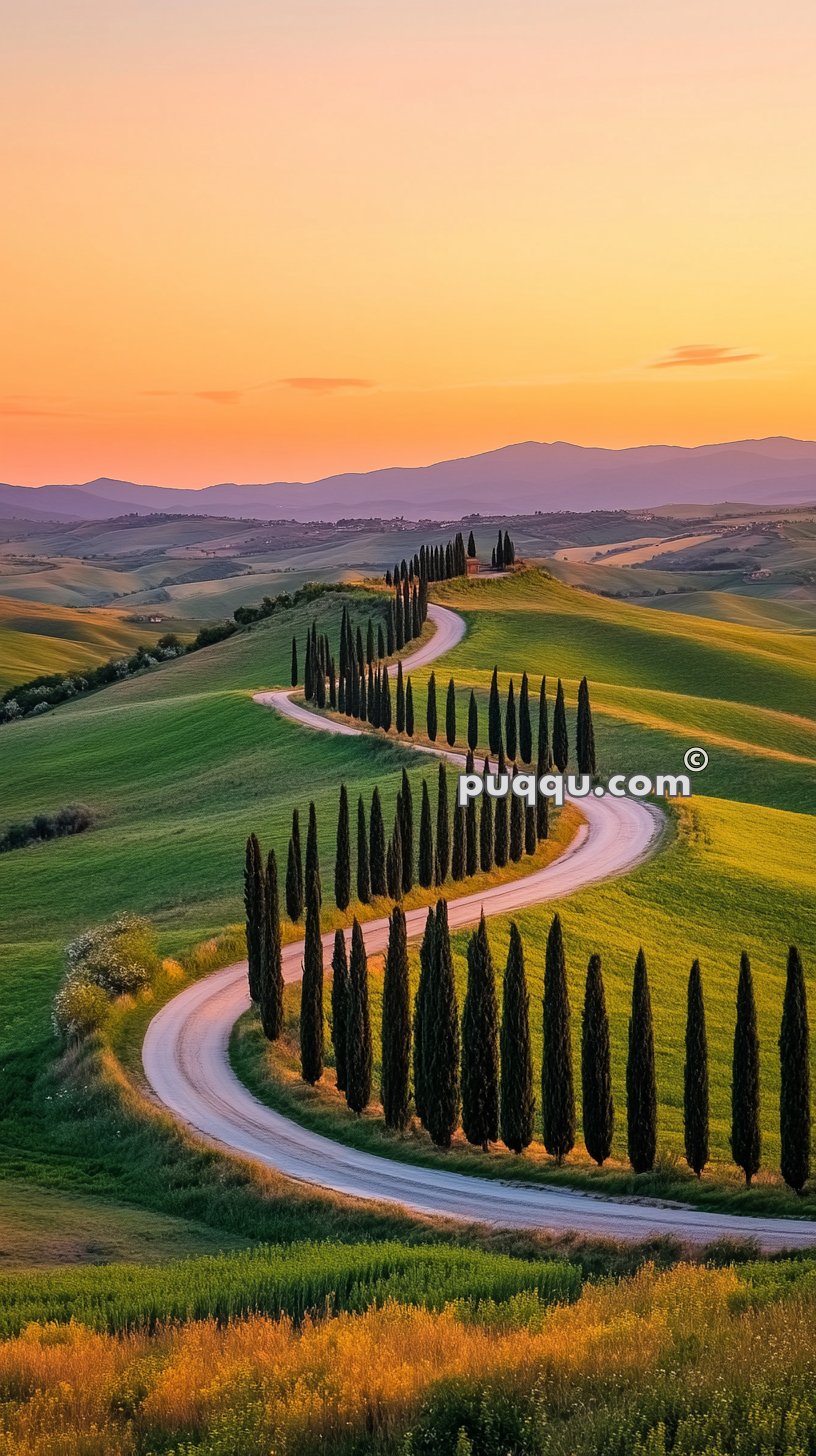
x=186, y=1060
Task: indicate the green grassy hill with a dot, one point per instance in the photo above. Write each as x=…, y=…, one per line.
x=36, y=638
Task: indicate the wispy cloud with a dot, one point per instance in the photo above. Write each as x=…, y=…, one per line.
x=318, y=384
x=696, y=354
x=305, y=383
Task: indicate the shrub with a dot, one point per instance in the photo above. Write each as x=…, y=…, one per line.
x=79, y=1009
x=106, y=961
x=73, y=819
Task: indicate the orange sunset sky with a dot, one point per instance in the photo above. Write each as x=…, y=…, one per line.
x=272, y=239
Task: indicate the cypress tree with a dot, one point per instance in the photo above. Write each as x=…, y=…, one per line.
x=370, y=641
x=471, y=546
x=450, y=714
x=560, y=744
x=407, y=615
x=255, y=906
x=516, y=826
x=471, y=829
x=509, y=553
x=399, y=624
x=480, y=1053
x=500, y=553
x=473, y=722
x=312, y=859
x=585, y=732
x=341, y=694
x=494, y=728
x=596, y=1067
x=409, y=709
x=406, y=823
x=376, y=845
x=427, y=955
x=746, y=1138
x=517, y=1099
x=486, y=828
x=543, y=728
x=501, y=849
x=416, y=614
x=510, y=734
x=641, y=1087
x=458, y=852
x=374, y=697
x=308, y=682
x=342, y=862
x=400, y=700
x=525, y=727
x=396, y=1026
x=390, y=634
x=363, y=871
x=294, y=662
x=385, y=701
x=557, y=1093
x=311, y=990
x=794, y=1090
x=426, y=846
x=431, y=709
x=294, y=872
x=359, y=651
x=319, y=679
x=695, y=1076
x=270, y=999
x=493, y=558
x=443, y=847
x=332, y=684
x=393, y=859
x=339, y=1005
x=358, y=1024
x=441, y=1051
x=530, y=834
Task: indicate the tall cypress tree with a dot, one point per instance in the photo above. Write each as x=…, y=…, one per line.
x=396, y=1026
x=480, y=1052
x=473, y=722
x=557, y=1092
x=255, y=907
x=380, y=642
x=409, y=709
x=425, y=871
x=510, y=733
x=486, y=831
x=431, y=708
x=560, y=743
x=270, y=1000
x=385, y=701
x=427, y=956
x=339, y=1006
x=542, y=808
x=471, y=827
x=502, y=820
x=471, y=546
x=500, y=553
x=294, y=678
x=342, y=862
x=441, y=1052
x=794, y=1089
x=494, y=723
x=530, y=832
x=443, y=847
x=517, y=1098
x=400, y=699
x=509, y=553
x=294, y=872
x=311, y=989
x=363, y=870
x=746, y=1136
x=399, y=622
x=370, y=641
x=390, y=633
x=525, y=727
x=358, y=1026
x=308, y=679
x=450, y=714
x=598, y=1108
x=695, y=1076
x=585, y=732
x=406, y=823
x=376, y=845
x=516, y=826
x=393, y=858
x=312, y=857
x=458, y=851
x=641, y=1086
x=543, y=729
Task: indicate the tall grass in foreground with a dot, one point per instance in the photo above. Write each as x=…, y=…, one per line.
x=685, y=1361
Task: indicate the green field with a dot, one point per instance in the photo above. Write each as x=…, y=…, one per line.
x=37, y=639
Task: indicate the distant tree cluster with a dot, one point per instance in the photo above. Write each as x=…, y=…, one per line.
x=73, y=819
x=503, y=555
x=359, y=685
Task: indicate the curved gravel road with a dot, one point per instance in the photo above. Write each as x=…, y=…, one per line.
x=186, y=1050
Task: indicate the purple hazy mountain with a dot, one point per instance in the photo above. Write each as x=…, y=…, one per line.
x=516, y=479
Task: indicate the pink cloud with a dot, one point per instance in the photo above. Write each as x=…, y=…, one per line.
x=317, y=384
x=694, y=354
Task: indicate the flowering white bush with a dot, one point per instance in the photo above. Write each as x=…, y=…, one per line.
x=106, y=961
x=79, y=1008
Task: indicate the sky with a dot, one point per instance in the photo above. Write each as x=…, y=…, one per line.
x=277, y=239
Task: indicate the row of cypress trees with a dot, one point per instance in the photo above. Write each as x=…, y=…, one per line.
x=360, y=670
x=433, y=563
x=511, y=729
x=503, y=555
x=263, y=936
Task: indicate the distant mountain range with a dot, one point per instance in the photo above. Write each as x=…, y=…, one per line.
x=517, y=479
